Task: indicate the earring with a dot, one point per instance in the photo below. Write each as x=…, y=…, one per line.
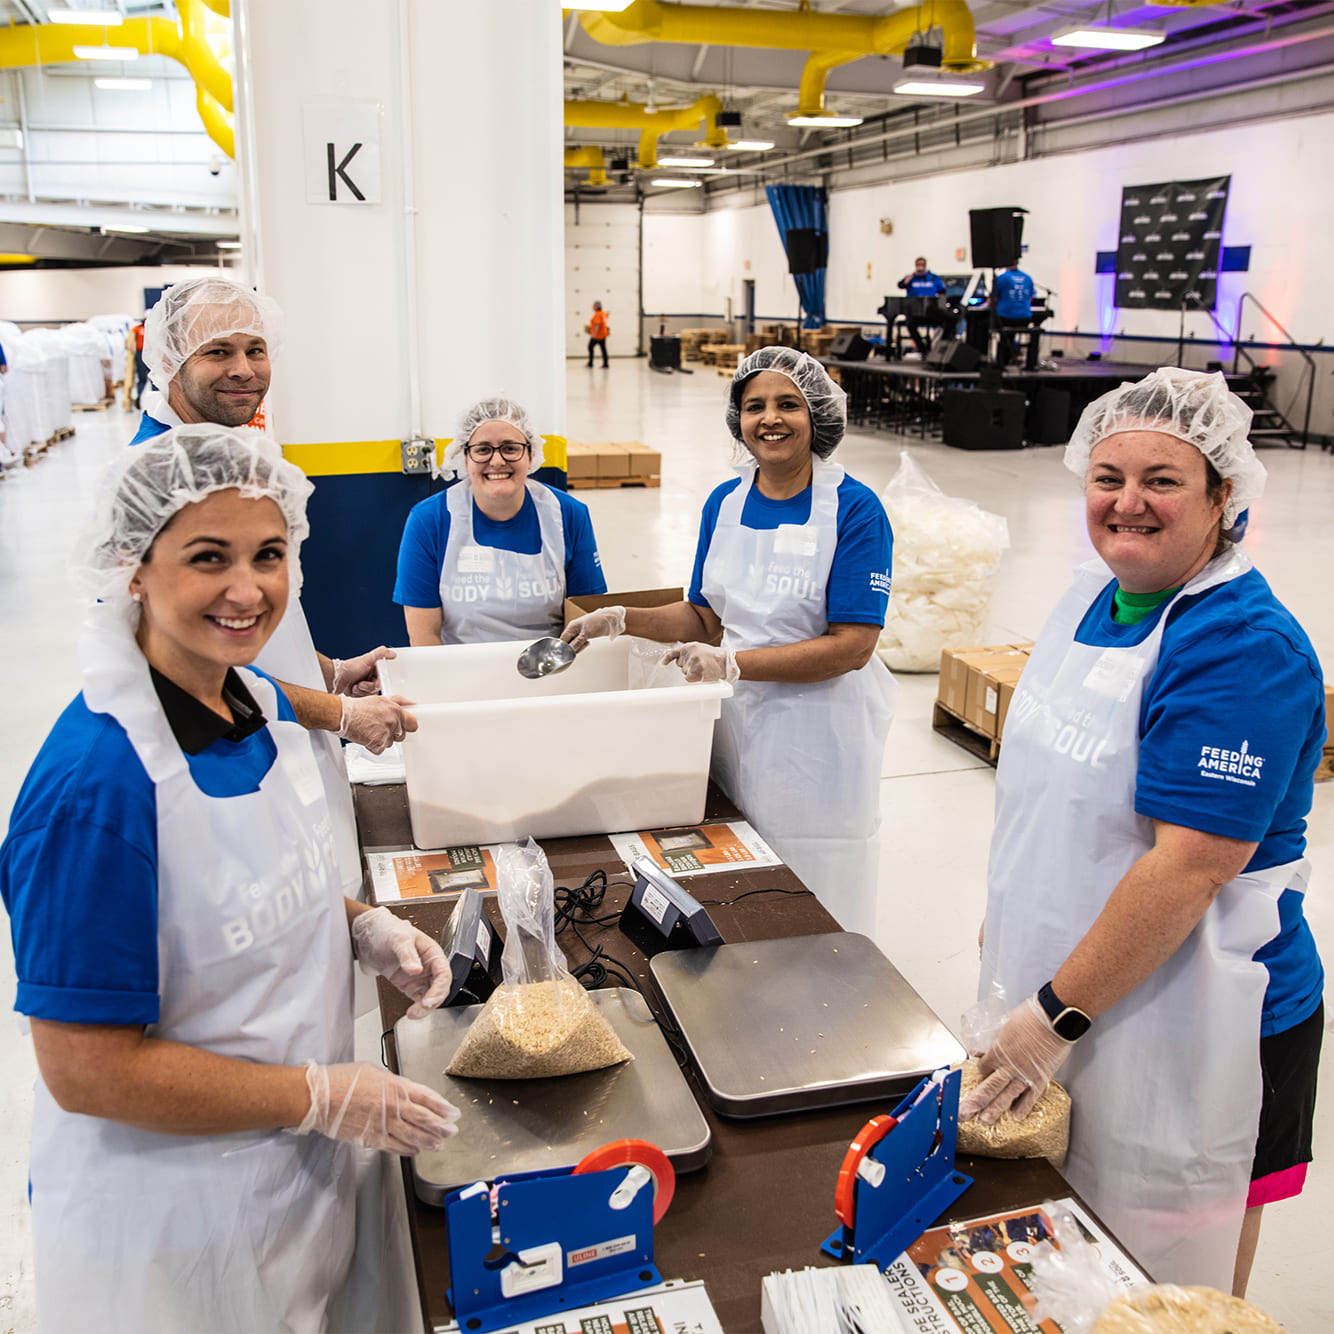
x=138, y=597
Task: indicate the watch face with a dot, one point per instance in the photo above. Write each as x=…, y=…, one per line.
x=1071, y=1025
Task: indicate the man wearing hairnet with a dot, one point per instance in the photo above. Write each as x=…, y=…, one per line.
x=1147, y=874
x=208, y=343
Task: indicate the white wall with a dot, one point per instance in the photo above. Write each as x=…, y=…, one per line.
x=75, y=294
x=1281, y=204
x=602, y=264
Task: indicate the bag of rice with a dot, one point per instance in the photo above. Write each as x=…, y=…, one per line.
x=539, y=1022
x=1043, y=1133
x=1166, y=1309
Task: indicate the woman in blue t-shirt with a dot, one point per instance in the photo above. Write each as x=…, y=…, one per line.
x=1146, y=878
x=183, y=947
x=494, y=556
x=792, y=572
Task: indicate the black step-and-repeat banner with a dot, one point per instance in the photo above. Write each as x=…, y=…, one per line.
x=1170, y=241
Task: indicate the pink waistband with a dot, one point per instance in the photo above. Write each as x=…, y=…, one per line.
x=1277, y=1186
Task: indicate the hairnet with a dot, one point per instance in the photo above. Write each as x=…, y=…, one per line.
x=149, y=484
x=489, y=410
x=827, y=403
x=1193, y=406
x=195, y=312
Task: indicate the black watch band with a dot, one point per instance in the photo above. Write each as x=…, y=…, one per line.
x=1066, y=1021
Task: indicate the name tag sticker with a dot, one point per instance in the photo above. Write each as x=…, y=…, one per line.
x=794, y=539
x=1115, y=674
x=476, y=560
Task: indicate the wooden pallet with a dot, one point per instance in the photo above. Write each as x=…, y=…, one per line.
x=92, y=407
x=604, y=483
x=951, y=726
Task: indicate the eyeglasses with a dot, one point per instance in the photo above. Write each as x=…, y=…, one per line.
x=509, y=451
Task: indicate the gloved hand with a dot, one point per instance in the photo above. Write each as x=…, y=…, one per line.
x=376, y=721
x=389, y=947
x=1017, y=1067
x=362, y=1104
x=359, y=676
x=605, y=623
x=703, y=662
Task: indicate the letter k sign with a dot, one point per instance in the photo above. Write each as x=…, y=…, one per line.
x=342, y=153
x=338, y=171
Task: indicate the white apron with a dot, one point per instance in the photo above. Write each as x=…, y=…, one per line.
x=488, y=595
x=137, y=1231
x=801, y=761
x=1166, y=1088
x=290, y=656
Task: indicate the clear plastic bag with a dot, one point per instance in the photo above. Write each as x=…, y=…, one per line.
x=947, y=553
x=539, y=1022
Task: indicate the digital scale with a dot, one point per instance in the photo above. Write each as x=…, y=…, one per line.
x=800, y=1023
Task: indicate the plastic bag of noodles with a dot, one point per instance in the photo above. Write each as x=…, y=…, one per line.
x=539, y=1022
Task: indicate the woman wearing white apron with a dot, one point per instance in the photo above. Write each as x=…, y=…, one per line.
x=1146, y=880
x=494, y=556
x=182, y=943
x=793, y=571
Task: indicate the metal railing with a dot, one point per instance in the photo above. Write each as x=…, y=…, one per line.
x=1238, y=352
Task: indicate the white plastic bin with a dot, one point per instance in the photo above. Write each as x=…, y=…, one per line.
x=498, y=757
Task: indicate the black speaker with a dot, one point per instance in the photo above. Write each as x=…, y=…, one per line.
x=849, y=346
x=982, y=418
x=665, y=352
x=948, y=355
x=807, y=249
x=997, y=236
x=1049, y=418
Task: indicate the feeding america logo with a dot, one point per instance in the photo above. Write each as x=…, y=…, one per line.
x=1242, y=766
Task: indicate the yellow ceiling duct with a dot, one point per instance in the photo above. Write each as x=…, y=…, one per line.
x=832, y=39
x=198, y=44
x=627, y=115
x=590, y=157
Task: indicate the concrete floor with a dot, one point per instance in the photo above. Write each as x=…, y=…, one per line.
x=936, y=798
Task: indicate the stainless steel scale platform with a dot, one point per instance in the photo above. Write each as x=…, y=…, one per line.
x=800, y=1023
x=521, y=1125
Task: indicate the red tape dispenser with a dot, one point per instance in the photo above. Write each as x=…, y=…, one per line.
x=898, y=1175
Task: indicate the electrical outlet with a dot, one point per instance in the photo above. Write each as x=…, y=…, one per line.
x=418, y=455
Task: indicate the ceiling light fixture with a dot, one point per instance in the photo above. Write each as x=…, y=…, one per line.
x=752, y=145
x=228, y=245
x=126, y=227
x=124, y=85
x=672, y=183
x=98, y=18
x=937, y=88
x=1109, y=39
x=685, y=162
x=825, y=122
x=105, y=52
x=602, y=6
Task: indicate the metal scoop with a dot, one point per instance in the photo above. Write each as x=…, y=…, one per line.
x=545, y=657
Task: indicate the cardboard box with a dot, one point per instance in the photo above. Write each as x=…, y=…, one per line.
x=613, y=461
x=581, y=460
x=982, y=699
x=644, y=462
x=646, y=597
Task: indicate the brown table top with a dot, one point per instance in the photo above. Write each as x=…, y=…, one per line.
x=765, y=1201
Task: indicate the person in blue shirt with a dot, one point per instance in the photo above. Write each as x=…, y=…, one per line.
x=792, y=573
x=1012, y=301
x=495, y=555
x=924, y=311
x=1147, y=870
x=183, y=946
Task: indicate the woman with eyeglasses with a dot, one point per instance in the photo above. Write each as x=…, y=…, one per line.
x=494, y=556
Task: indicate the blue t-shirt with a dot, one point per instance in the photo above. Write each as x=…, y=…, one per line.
x=78, y=869
x=421, y=553
x=858, y=591
x=1014, y=295
x=922, y=284
x=1231, y=727
x=148, y=428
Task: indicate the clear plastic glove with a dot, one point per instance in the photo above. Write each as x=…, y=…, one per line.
x=362, y=1104
x=359, y=676
x=704, y=662
x=1017, y=1067
x=389, y=947
x=605, y=623
x=376, y=721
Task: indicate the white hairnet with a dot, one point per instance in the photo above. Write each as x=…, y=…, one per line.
x=1194, y=406
x=148, y=484
x=827, y=403
x=195, y=312
x=496, y=409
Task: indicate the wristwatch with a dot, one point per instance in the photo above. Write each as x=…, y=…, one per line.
x=1066, y=1021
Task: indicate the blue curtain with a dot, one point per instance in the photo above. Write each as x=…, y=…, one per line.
x=796, y=206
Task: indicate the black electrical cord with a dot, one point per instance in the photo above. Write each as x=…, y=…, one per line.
x=727, y=903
